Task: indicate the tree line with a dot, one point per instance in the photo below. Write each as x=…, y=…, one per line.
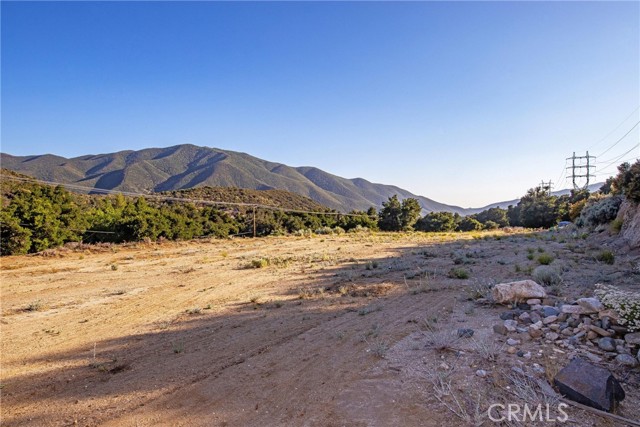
x=36, y=217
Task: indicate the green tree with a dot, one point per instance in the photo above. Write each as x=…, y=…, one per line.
x=538, y=209
x=469, y=224
x=437, y=222
x=14, y=239
x=390, y=216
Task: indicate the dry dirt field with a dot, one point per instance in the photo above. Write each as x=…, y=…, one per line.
x=351, y=330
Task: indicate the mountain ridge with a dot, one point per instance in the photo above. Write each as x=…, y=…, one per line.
x=189, y=166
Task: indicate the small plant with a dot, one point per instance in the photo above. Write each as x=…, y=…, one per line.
x=606, y=256
x=259, y=263
x=379, y=348
x=194, y=311
x=371, y=265
x=625, y=303
x=616, y=225
x=517, y=268
x=114, y=267
x=35, y=306
x=546, y=275
x=530, y=256
x=458, y=273
x=178, y=347
x=224, y=254
x=545, y=259
x=480, y=289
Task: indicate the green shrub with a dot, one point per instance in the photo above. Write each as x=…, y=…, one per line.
x=606, y=256
x=545, y=259
x=458, y=273
x=599, y=211
x=259, y=263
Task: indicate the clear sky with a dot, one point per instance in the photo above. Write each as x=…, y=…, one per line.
x=467, y=103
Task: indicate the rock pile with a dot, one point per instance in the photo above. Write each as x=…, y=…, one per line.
x=585, y=327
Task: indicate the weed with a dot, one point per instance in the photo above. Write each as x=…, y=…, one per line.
x=545, y=259
x=114, y=267
x=368, y=309
x=546, y=275
x=379, y=348
x=371, y=265
x=606, y=256
x=35, y=306
x=458, y=273
x=224, y=254
x=487, y=349
x=178, y=347
x=258, y=263
x=194, y=311
x=530, y=256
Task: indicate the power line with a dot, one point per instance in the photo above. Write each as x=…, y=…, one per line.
x=616, y=160
x=623, y=136
x=176, y=199
x=616, y=128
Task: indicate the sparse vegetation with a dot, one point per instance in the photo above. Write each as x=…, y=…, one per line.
x=459, y=273
x=606, y=256
x=545, y=259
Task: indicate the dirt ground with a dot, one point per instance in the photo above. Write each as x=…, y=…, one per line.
x=351, y=330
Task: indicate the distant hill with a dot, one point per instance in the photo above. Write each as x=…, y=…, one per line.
x=188, y=166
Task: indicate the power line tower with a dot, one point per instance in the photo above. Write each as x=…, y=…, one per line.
x=546, y=186
x=577, y=164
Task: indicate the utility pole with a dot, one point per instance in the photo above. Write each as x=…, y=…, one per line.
x=584, y=162
x=254, y=221
x=546, y=186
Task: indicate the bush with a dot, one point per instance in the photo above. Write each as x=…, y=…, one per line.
x=625, y=303
x=606, y=256
x=627, y=181
x=546, y=275
x=259, y=263
x=545, y=259
x=599, y=211
x=469, y=224
x=458, y=273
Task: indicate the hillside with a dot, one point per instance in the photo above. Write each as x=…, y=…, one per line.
x=188, y=166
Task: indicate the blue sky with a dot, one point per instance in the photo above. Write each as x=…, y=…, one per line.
x=465, y=103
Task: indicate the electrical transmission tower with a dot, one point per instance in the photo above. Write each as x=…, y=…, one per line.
x=577, y=164
x=546, y=186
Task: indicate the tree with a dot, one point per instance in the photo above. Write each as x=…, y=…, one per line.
x=495, y=215
x=627, y=181
x=14, y=239
x=410, y=213
x=538, y=209
x=390, y=216
x=469, y=224
x=437, y=222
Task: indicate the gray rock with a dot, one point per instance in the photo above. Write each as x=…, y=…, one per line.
x=535, y=317
x=552, y=336
x=606, y=323
x=572, y=309
x=481, y=373
x=633, y=338
x=511, y=341
x=567, y=332
x=511, y=325
x=626, y=360
x=500, y=329
x=590, y=385
x=590, y=305
x=600, y=331
x=533, y=301
x=535, y=333
x=607, y=344
x=622, y=349
x=549, y=319
x=510, y=314
x=525, y=318
x=549, y=311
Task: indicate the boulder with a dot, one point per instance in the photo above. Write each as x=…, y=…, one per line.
x=627, y=360
x=573, y=309
x=590, y=385
x=547, y=311
x=511, y=325
x=590, y=305
x=607, y=344
x=517, y=291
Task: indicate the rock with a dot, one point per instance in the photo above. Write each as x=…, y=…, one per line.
x=535, y=317
x=552, y=336
x=547, y=311
x=600, y=331
x=633, y=338
x=465, y=333
x=537, y=325
x=567, y=332
x=522, y=330
x=520, y=353
x=533, y=301
x=626, y=360
x=517, y=291
x=622, y=330
x=527, y=355
x=510, y=314
x=606, y=323
x=511, y=350
x=549, y=319
x=607, y=344
x=554, y=327
x=535, y=333
x=481, y=373
x=512, y=342
x=591, y=335
x=525, y=318
x=572, y=309
x=594, y=358
x=590, y=305
x=622, y=349
x=501, y=329
x=611, y=314
x=590, y=385
x=511, y=325
x=538, y=369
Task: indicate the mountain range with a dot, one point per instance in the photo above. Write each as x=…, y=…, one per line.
x=189, y=166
